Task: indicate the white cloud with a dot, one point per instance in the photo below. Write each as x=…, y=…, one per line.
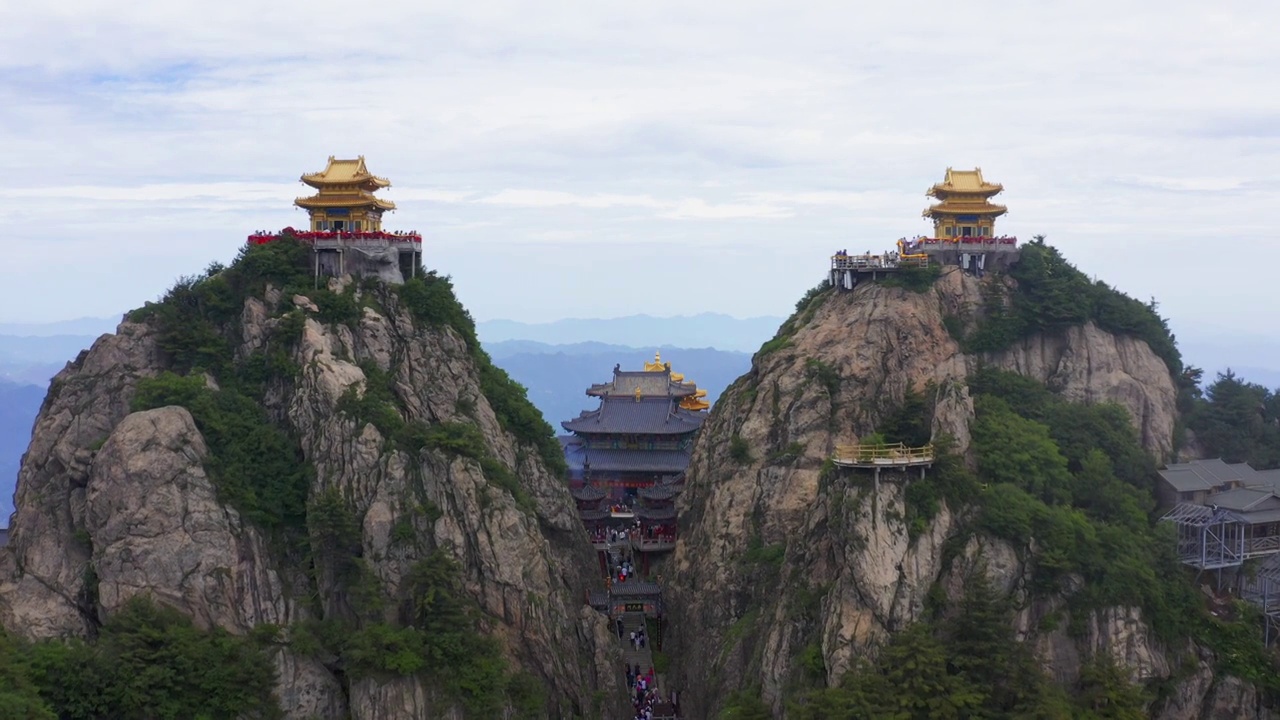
x=555, y=198
x=1191, y=184
x=144, y=139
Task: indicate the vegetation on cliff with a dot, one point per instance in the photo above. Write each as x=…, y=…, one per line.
x=196, y=320
x=256, y=466
x=1068, y=486
x=970, y=664
x=1235, y=420
x=148, y=662
x=431, y=628
x=1051, y=294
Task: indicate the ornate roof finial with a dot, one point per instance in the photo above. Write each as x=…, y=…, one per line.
x=637, y=393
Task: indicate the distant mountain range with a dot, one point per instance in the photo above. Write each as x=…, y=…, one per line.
x=705, y=330
x=19, y=405
x=93, y=326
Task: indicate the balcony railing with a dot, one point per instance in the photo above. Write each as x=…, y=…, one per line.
x=654, y=544
x=313, y=236
x=1262, y=546
x=898, y=455
x=866, y=263
x=972, y=243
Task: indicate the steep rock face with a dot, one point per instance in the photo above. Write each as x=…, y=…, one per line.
x=1207, y=696
x=851, y=572
x=112, y=504
x=42, y=589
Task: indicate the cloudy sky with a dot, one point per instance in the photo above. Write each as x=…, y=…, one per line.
x=601, y=159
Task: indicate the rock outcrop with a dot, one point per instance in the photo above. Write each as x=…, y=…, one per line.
x=113, y=503
x=850, y=570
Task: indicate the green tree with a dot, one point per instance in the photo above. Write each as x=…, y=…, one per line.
x=255, y=465
x=1239, y=422
x=1104, y=692
x=149, y=661
x=1014, y=450
x=745, y=705
x=19, y=697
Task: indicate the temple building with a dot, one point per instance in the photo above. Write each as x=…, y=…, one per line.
x=964, y=234
x=642, y=430
x=344, y=199
x=345, y=221
x=964, y=208
x=627, y=460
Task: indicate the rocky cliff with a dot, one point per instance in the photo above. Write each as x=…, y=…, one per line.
x=114, y=503
x=786, y=565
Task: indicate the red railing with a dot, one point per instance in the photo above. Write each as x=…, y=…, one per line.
x=313, y=235
x=963, y=240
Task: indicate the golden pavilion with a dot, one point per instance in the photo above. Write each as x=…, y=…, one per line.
x=344, y=200
x=695, y=402
x=964, y=208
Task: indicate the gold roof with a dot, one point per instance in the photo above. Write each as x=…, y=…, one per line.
x=951, y=207
x=327, y=199
x=964, y=182
x=693, y=402
x=346, y=172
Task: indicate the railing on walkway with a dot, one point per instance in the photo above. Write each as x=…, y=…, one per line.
x=1267, y=545
x=333, y=237
x=868, y=262
x=898, y=455
x=654, y=544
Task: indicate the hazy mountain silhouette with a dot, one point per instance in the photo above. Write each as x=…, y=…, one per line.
x=705, y=330
x=33, y=359
x=19, y=405
x=94, y=326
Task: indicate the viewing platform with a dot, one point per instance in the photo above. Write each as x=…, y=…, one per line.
x=389, y=256
x=883, y=456
x=873, y=263
x=336, y=239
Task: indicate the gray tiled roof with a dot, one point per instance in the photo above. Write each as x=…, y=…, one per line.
x=1261, y=516
x=609, y=460
x=659, y=492
x=651, y=383
x=587, y=493
x=1244, y=500
x=1268, y=478
x=1207, y=475
x=649, y=416
x=592, y=515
